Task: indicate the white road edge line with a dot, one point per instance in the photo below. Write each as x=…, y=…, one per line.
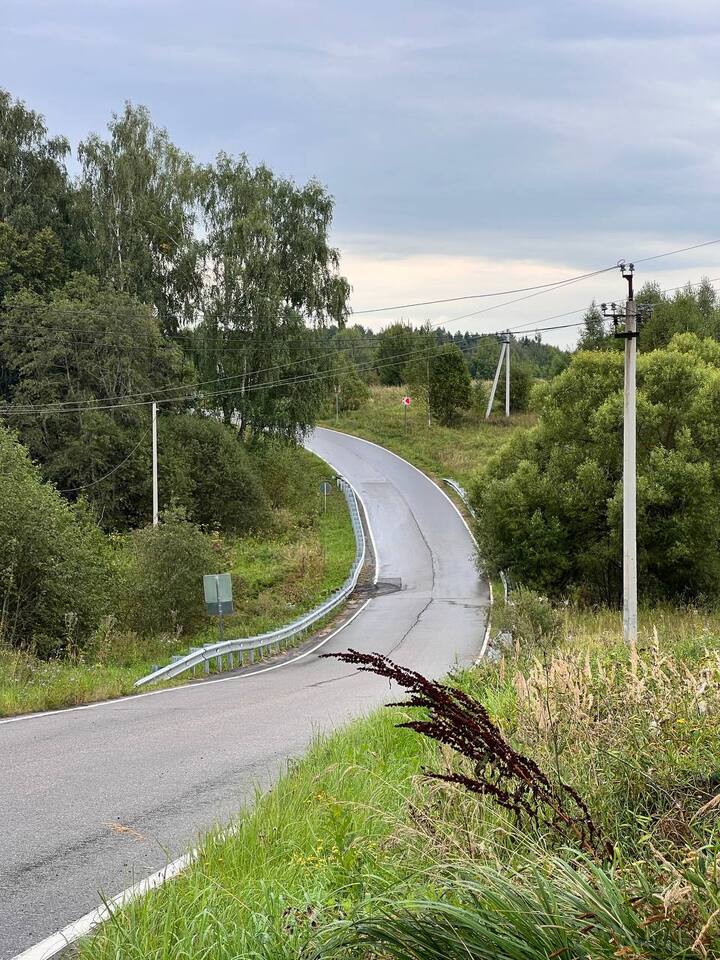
x=416, y=469
x=56, y=942
x=118, y=701
x=486, y=640
x=79, y=928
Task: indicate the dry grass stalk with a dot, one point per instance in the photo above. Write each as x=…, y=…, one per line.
x=512, y=780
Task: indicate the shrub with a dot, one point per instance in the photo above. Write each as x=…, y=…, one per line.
x=449, y=384
x=531, y=618
x=205, y=469
x=549, y=503
x=55, y=563
x=162, y=582
x=479, y=397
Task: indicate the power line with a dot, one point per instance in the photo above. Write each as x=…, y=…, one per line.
x=102, y=405
x=91, y=404
x=115, y=469
x=480, y=296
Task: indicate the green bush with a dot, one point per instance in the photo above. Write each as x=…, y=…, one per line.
x=549, y=504
x=162, y=585
x=531, y=618
x=449, y=384
x=205, y=469
x=479, y=397
x=55, y=563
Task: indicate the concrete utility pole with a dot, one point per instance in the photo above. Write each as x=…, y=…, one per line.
x=428, y=393
x=630, y=335
x=507, y=374
x=491, y=401
x=155, y=508
x=630, y=469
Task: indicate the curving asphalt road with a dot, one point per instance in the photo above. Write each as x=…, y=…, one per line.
x=94, y=798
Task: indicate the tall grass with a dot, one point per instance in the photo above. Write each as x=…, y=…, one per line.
x=456, y=451
x=356, y=854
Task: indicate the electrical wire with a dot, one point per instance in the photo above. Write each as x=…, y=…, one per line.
x=115, y=469
x=480, y=296
x=102, y=404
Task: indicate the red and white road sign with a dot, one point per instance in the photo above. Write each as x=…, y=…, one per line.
x=406, y=401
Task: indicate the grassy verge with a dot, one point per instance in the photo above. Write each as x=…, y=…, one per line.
x=277, y=577
x=455, y=451
x=354, y=831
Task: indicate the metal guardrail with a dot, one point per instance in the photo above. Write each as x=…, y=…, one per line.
x=461, y=492
x=248, y=647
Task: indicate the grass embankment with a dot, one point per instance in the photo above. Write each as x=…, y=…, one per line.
x=277, y=576
x=355, y=831
x=455, y=452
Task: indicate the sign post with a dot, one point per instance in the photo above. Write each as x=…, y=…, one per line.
x=218, y=598
x=406, y=401
x=325, y=488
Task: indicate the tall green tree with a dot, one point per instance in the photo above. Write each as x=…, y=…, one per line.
x=33, y=262
x=397, y=346
x=138, y=210
x=34, y=188
x=54, y=562
x=594, y=335
x=449, y=384
x=272, y=279
x=90, y=344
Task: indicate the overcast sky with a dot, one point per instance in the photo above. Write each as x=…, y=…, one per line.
x=470, y=146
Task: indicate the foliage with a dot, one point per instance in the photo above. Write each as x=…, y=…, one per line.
x=549, y=504
x=351, y=390
x=162, y=583
x=479, y=396
x=206, y=469
x=691, y=309
x=396, y=346
x=136, y=202
x=493, y=768
x=34, y=189
x=271, y=272
x=594, y=335
x=54, y=564
x=532, y=619
x=520, y=386
x=449, y=384
x=85, y=346
x=33, y=262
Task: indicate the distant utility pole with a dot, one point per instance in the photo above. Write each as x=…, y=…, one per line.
x=428, y=393
x=156, y=510
x=504, y=352
x=629, y=317
x=507, y=375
